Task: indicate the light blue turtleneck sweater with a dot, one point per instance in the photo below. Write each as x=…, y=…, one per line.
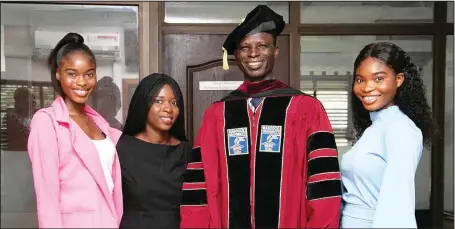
x=378, y=173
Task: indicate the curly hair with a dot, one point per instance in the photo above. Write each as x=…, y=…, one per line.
x=410, y=96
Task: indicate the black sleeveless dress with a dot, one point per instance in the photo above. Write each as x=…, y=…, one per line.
x=152, y=179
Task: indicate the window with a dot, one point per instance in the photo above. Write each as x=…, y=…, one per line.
x=332, y=91
x=326, y=67
x=30, y=32
x=366, y=12
x=216, y=12
x=43, y=93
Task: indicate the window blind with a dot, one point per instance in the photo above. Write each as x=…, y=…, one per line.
x=333, y=92
x=44, y=95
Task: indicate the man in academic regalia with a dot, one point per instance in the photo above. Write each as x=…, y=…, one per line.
x=265, y=155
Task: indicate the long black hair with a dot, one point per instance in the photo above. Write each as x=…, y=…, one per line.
x=142, y=100
x=410, y=96
x=70, y=43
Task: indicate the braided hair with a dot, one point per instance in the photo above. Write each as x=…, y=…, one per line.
x=142, y=100
x=70, y=43
x=410, y=96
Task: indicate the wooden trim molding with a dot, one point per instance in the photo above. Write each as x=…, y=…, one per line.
x=448, y=28
x=154, y=50
x=128, y=88
x=144, y=39
x=205, y=29
x=294, y=45
x=160, y=15
x=438, y=104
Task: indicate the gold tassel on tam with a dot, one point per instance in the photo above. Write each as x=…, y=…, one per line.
x=225, y=54
x=225, y=59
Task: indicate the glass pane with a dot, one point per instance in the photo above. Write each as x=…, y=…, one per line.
x=30, y=33
x=326, y=68
x=217, y=12
x=366, y=12
x=448, y=127
x=450, y=12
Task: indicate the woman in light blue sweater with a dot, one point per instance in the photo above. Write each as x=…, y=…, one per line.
x=393, y=122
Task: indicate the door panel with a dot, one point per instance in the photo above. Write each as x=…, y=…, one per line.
x=201, y=99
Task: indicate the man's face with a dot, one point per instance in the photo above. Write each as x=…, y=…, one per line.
x=255, y=56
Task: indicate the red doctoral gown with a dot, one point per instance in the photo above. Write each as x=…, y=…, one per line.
x=273, y=167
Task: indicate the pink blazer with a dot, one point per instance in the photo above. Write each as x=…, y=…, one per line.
x=71, y=191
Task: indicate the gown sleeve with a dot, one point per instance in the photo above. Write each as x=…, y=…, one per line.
x=194, y=208
x=323, y=186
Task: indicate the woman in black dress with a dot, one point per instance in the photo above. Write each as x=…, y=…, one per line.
x=153, y=155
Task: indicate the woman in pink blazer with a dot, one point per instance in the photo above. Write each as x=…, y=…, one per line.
x=72, y=148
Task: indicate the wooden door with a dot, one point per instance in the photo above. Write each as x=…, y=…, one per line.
x=191, y=58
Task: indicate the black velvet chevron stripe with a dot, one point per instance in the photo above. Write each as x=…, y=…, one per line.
x=323, y=189
x=323, y=165
x=236, y=116
x=194, y=175
x=194, y=197
x=196, y=155
x=321, y=140
x=268, y=165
